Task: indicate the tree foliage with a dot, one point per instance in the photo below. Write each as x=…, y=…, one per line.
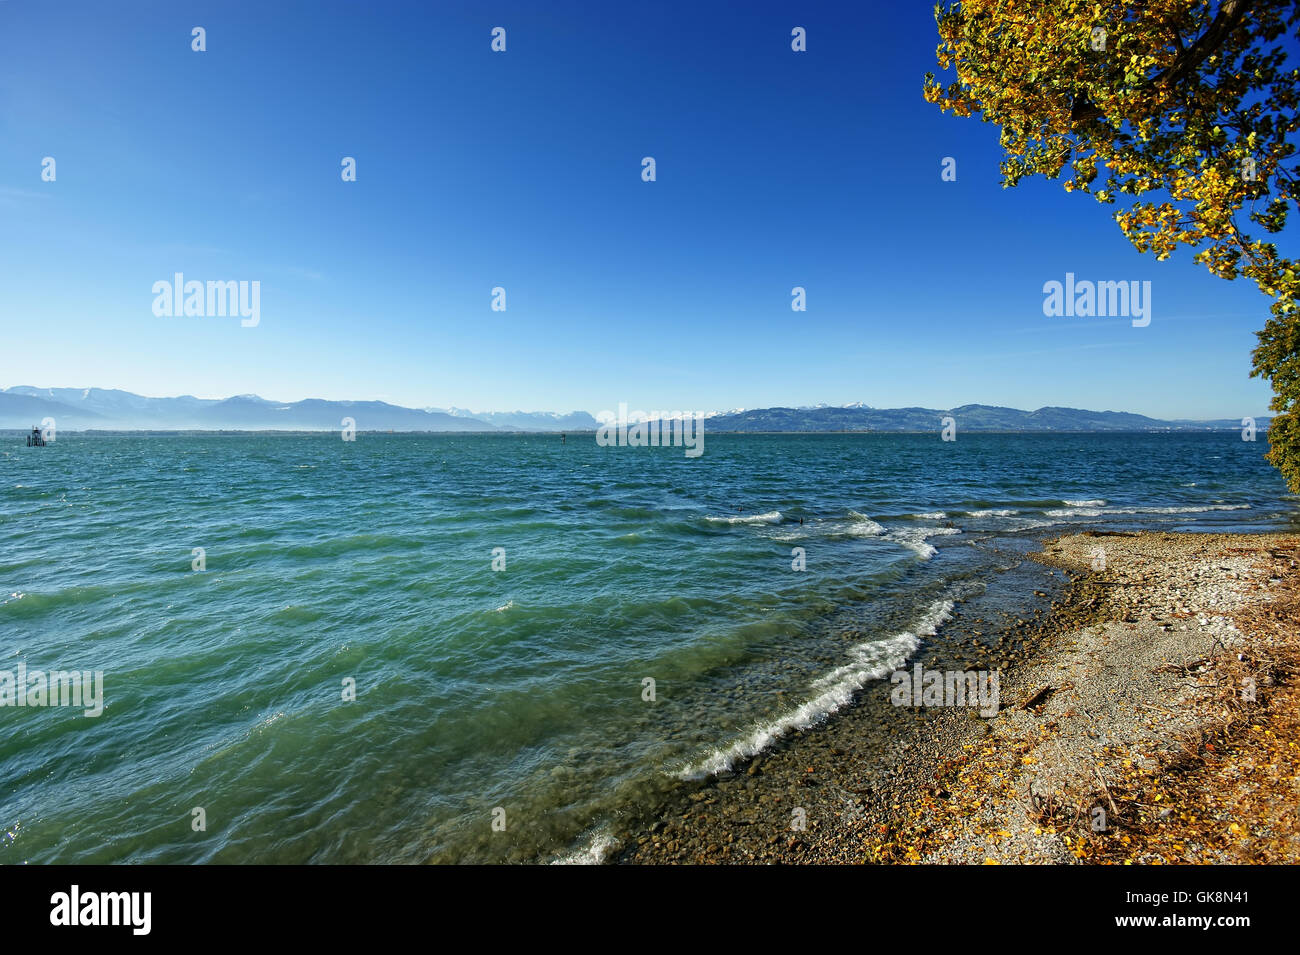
x=1178, y=112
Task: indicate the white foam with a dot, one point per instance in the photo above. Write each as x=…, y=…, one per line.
x=993, y=512
x=797, y=534
x=864, y=526
x=591, y=852
x=923, y=550
x=1098, y=503
x=869, y=660
x=931, y=516
x=861, y=530
x=857, y=525
x=1079, y=511
x=915, y=538
x=505, y=606
x=1179, y=510
x=771, y=517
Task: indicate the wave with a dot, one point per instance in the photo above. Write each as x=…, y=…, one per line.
x=864, y=526
x=329, y=547
x=831, y=532
x=931, y=516
x=592, y=851
x=854, y=525
x=915, y=539
x=869, y=660
x=981, y=503
x=1179, y=510
x=993, y=512
x=771, y=517
x=1079, y=510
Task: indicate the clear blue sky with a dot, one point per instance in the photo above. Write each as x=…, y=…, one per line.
x=523, y=170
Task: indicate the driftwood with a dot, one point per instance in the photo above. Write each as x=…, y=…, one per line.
x=1038, y=697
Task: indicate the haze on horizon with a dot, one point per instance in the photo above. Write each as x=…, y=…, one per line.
x=117, y=402
x=522, y=170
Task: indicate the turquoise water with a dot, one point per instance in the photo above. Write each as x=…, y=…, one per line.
x=478, y=689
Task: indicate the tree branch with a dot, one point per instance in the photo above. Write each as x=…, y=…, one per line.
x=1229, y=17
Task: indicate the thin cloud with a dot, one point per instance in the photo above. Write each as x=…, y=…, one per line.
x=11, y=196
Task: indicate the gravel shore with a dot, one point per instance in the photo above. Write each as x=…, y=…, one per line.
x=1148, y=714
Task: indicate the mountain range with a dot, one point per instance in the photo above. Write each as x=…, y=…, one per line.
x=860, y=417
x=100, y=409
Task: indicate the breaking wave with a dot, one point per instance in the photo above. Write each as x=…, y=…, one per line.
x=869, y=660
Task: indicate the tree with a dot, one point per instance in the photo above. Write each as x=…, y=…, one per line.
x=1182, y=109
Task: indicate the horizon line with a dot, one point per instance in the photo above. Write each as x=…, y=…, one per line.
x=448, y=410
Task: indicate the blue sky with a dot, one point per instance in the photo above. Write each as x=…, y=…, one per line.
x=523, y=170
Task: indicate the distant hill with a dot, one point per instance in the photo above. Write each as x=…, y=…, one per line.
x=968, y=418
x=81, y=409
x=78, y=409
x=529, y=420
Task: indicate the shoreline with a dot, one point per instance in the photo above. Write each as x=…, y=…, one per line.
x=1123, y=734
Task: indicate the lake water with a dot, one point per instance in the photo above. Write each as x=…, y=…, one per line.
x=517, y=693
